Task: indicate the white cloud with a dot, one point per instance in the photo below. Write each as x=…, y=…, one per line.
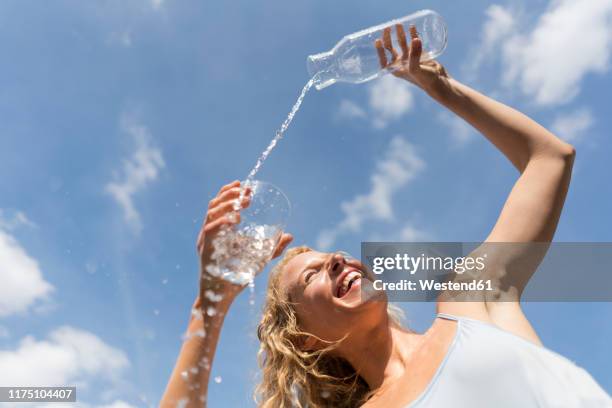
x=23, y=285
x=157, y=4
x=389, y=99
x=499, y=24
x=548, y=63
x=397, y=168
x=406, y=233
x=68, y=356
x=459, y=130
x=350, y=110
x=412, y=234
x=123, y=38
x=117, y=404
x=10, y=220
x=572, y=127
x=138, y=171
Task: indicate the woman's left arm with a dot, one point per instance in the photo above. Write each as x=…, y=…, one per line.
x=533, y=207
x=531, y=213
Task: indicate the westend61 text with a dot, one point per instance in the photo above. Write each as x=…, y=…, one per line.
x=431, y=284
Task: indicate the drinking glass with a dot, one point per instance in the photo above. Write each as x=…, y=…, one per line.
x=241, y=251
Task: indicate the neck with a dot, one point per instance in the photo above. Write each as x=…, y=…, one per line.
x=381, y=354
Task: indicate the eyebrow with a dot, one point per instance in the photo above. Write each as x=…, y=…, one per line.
x=312, y=263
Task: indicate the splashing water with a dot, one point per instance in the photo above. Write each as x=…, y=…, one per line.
x=239, y=255
x=212, y=296
x=262, y=246
x=281, y=132
x=279, y=135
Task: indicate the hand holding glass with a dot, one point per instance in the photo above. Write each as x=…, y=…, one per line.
x=241, y=251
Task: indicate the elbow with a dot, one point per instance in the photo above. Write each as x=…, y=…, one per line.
x=568, y=155
x=568, y=152
x=562, y=151
x=558, y=152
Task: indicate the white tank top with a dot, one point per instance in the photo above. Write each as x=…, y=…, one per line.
x=486, y=367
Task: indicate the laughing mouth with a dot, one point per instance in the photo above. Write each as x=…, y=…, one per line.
x=346, y=281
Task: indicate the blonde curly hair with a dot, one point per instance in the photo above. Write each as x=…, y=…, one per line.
x=292, y=377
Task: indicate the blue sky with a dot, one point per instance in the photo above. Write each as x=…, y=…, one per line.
x=121, y=119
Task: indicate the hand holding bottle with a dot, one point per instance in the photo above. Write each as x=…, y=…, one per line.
x=428, y=75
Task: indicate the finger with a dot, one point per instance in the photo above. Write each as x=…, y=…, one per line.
x=401, y=38
x=200, y=240
x=413, y=32
x=282, y=244
x=226, y=187
x=227, y=220
x=416, y=48
x=229, y=194
x=382, y=57
x=389, y=44
x=226, y=207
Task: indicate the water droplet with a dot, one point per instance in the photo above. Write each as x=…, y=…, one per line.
x=164, y=281
x=212, y=296
x=325, y=394
x=211, y=311
x=218, y=379
x=196, y=313
x=156, y=312
x=233, y=216
x=252, y=292
x=193, y=370
x=184, y=375
x=178, y=266
x=204, y=363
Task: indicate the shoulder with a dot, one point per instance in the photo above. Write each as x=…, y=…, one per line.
x=508, y=316
x=472, y=310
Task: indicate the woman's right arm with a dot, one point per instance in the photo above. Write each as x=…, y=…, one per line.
x=188, y=384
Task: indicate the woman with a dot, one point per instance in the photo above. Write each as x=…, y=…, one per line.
x=324, y=345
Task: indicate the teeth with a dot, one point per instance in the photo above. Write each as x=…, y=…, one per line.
x=350, y=277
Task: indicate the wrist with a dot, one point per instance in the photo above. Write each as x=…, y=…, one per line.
x=217, y=289
x=441, y=89
x=206, y=313
x=445, y=90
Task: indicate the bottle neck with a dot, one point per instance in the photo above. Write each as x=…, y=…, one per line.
x=324, y=68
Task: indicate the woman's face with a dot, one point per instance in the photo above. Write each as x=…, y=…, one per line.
x=333, y=294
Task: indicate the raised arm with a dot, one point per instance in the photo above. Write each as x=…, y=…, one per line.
x=188, y=384
x=532, y=210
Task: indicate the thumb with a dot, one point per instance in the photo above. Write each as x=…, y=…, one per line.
x=282, y=244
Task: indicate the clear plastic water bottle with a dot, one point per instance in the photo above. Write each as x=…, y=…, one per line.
x=355, y=59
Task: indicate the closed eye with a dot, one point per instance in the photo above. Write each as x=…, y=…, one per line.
x=309, y=275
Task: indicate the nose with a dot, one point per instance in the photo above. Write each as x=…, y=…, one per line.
x=336, y=262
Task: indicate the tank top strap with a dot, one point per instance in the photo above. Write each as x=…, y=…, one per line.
x=447, y=316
